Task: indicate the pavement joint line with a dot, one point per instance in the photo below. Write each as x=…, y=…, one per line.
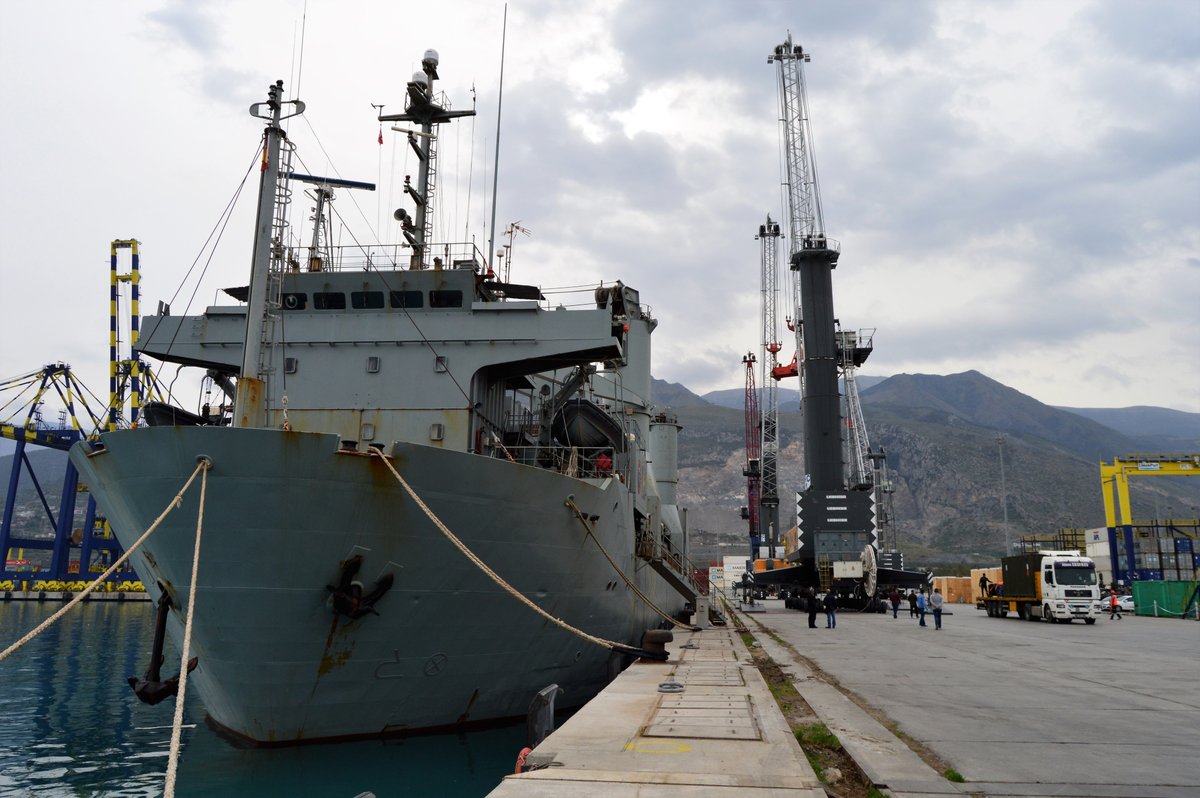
x=592, y=748
x=884, y=758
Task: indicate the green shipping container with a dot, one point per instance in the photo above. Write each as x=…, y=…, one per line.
x=1171, y=597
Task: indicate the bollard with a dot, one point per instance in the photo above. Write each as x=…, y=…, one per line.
x=655, y=640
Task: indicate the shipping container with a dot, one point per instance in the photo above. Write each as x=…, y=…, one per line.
x=1166, y=544
x=1020, y=574
x=1170, y=574
x=1173, y=598
x=1183, y=544
x=1149, y=560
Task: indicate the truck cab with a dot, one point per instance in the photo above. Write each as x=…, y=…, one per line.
x=1069, y=587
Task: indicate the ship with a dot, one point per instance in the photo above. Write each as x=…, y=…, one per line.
x=409, y=457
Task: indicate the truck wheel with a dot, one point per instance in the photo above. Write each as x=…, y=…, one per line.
x=1046, y=616
x=1023, y=611
x=1089, y=621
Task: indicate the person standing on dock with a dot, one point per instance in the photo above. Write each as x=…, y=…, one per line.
x=1114, y=605
x=935, y=603
x=830, y=610
x=983, y=587
x=912, y=604
x=921, y=608
x=894, y=597
x=811, y=599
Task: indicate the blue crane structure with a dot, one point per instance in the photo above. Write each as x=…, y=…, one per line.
x=23, y=411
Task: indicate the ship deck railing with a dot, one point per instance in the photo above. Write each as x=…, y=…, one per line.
x=387, y=257
x=574, y=461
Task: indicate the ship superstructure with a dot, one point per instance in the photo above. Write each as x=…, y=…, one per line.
x=329, y=604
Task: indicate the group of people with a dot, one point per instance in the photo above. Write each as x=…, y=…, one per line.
x=919, y=604
x=829, y=604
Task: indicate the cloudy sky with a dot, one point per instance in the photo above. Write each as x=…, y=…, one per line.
x=1016, y=186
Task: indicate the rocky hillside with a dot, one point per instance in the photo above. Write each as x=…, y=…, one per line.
x=941, y=435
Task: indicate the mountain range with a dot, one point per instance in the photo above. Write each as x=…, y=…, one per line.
x=944, y=438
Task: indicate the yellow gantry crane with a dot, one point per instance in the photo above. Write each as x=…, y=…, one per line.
x=1114, y=480
x=1118, y=512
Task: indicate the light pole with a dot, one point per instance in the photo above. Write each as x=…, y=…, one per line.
x=1004, y=497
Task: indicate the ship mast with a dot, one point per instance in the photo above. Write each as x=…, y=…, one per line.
x=422, y=106
x=250, y=402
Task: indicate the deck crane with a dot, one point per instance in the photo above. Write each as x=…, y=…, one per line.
x=751, y=513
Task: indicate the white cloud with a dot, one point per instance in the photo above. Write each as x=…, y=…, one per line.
x=1013, y=185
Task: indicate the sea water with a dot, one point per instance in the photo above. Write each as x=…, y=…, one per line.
x=70, y=726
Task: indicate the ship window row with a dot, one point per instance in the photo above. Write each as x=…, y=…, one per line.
x=372, y=300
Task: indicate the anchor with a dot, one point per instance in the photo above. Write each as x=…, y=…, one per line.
x=348, y=598
x=151, y=689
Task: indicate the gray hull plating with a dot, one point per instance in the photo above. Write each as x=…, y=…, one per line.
x=448, y=646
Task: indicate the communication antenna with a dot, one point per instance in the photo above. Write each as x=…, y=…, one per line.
x=506, y=254
x=499, y=106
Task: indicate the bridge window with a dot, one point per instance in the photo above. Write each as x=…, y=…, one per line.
x=445, y=299
x=407, y=299
x=329, y=300
x=366, y=300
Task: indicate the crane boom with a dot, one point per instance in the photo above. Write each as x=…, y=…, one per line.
x=806, y=221
x=768, y=236
x=753, y=469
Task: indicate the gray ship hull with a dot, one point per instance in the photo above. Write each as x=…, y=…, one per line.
x=448, y=647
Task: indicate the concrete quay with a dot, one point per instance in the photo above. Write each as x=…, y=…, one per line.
x=1017, y=708
x=721, y=735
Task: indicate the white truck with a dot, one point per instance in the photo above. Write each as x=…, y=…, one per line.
x=1054, y=586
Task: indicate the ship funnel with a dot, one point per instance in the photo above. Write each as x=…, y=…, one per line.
x=664, y=453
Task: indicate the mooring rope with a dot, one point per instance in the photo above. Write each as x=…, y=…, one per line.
x=175, y=502
x=499, y=580
x=583, y=519
x=177, y=725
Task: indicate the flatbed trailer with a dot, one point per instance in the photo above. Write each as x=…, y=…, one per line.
x=1058, y=586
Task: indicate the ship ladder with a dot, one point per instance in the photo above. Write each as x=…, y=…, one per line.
x=587, y=525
